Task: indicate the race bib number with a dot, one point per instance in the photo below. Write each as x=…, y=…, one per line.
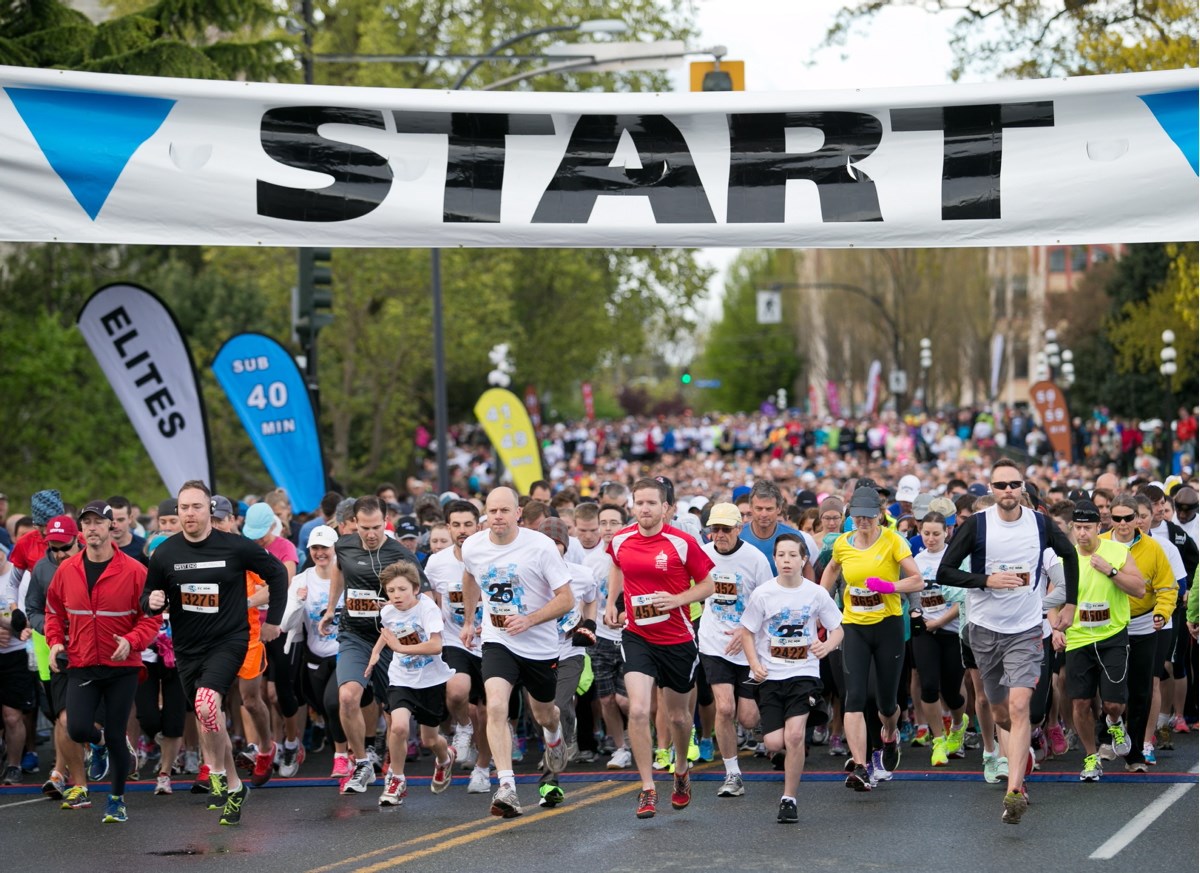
x=644, y=610
x=932, y=599
x=200, y=597
x=567, y=623
x=407, y=636
x=865, y=600
x=1021, y=570
x=361, y=603
x=1093, y=614
x=788, y=650
x=499, y=613
x=725, y=591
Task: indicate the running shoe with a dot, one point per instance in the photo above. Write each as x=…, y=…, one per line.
x=556, y=757
x=468, y=763
x=733, y=786
x=972, y=741
x=505, y=803
x=377, y=762
x=957, y=737
x=939, y=758
x=878, y=770
x=191, y=762
x=518, y=750
x=395, y=789
x=317, y=737
x=905, y=731
x=1038, y=739
x=837, y=746
x=583, y=756
x=1120, y=739
x=1180, y=725
x=76, y=798
x=343, y=767
x=991, y=768
x=12, y=775
x=218, y=790
x=1072, y=740
x=263, y=767
x=97, y=765
x=891, y=752
x=1136, y=767
x=114, y=811
x=412, y=753
x=693, y=751
x=1058, y=740
x=278, y=762
x=55, y=787
x=662, y=759
x=1148, y=754
x=29, y=762
x=647, y=803
x=605, y=745
x=1030, y=763
x=134, y=763
x=1107, y=752
x=443, y=773
x=860, y=779
x=162, y=784
x=622, y=759
x=292, y=759
x=360, y=780
x=923, y=736
x=244, y=760
x=777, y=761
x=1015, y=804
x=681, y=792
x=706, y=749
x=787, y=812
x=760, y=750
x=481, y=782
x=232, y=813
x=820, y=736
x=1002, y=767
x=203, y=784
x=1164, y=738
x=463, y=736
x=550, y=794
x=1091, y=769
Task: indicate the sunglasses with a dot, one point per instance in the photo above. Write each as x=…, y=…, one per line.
x=1123, y=519
x=65, y=547
x=1186, y=507
x=1005, y=486
x=720, y=528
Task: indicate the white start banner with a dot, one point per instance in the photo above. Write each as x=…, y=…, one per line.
x=119, y=159
x=142, y=351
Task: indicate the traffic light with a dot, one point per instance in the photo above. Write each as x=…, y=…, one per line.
x=314, y=293
x=685, y=378
x=718, y=75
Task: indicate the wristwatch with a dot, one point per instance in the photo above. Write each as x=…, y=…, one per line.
x=1112, y=572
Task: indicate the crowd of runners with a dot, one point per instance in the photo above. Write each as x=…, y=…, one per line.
x=648, y=612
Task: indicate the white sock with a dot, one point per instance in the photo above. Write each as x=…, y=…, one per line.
x=731, y=766
x=291, y=744
x=553, y=739
x=1109, y=721
x=1163, y=719
x=483, y=770
x=787, y=797
x=507, y=778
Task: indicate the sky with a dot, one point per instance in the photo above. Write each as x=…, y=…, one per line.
x=779, y=41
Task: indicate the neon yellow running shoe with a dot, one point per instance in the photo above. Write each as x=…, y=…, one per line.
x=939, y=757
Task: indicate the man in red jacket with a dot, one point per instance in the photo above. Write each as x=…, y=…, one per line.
x=93, y=610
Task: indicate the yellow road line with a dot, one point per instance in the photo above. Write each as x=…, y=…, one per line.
x=446, y=832
x=391, y=863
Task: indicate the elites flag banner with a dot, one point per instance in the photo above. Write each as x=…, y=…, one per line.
x=269, y=395
x=1051, y=408
x=142, y=351
x=507, y=424
x=88, y=157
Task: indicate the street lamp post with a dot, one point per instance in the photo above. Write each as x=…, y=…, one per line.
x=441, y=414
x=1168, y=369
x=926, y=364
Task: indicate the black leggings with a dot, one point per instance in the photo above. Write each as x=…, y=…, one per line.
x=166, y=717
x=1140, y=679
x=1039, y=704
x=114, y=687
x=321, y=692
x=939, y=667
x=280, y=671
x=879, y=644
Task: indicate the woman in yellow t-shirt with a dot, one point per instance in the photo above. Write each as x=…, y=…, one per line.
x=878, y=567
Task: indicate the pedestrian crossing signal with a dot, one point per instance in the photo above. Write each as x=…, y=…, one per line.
x=686, y=378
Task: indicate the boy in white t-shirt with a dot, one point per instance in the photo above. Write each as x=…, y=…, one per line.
x=779, y=637
x=411, y=626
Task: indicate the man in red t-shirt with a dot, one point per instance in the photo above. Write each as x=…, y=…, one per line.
x=654, y=566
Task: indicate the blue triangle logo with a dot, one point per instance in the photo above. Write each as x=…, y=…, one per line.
x=1179, y=114
x=88, y=137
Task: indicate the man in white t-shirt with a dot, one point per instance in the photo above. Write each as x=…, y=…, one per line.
x=525, y=586
x=738, y=569
x=464, y=690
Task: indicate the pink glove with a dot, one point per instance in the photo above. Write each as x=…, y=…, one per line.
x=881, y=586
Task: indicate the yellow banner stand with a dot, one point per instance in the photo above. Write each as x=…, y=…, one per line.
x=506, y=422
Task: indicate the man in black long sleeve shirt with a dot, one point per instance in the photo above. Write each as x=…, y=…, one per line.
x=200, y=575
x=1006, y=544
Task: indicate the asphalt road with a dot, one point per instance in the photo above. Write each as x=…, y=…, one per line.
x=947, y=819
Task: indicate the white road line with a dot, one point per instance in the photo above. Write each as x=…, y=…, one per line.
x=1134, y=827
x=23, y=802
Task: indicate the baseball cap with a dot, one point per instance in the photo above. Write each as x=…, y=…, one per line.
x=61, y=529
x=908, y=488
x=406, y=526
x=806, y=498
x=945, y=506
x=864, y=502
x=260, y=518
x=977, y=489
x=96, y=507
x=1086, y=512
x=222, y=507
x=322, y=536
x=739, y=491
x=726, y=514
x=921, y=504
x=556, y=529
x=170, y=506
